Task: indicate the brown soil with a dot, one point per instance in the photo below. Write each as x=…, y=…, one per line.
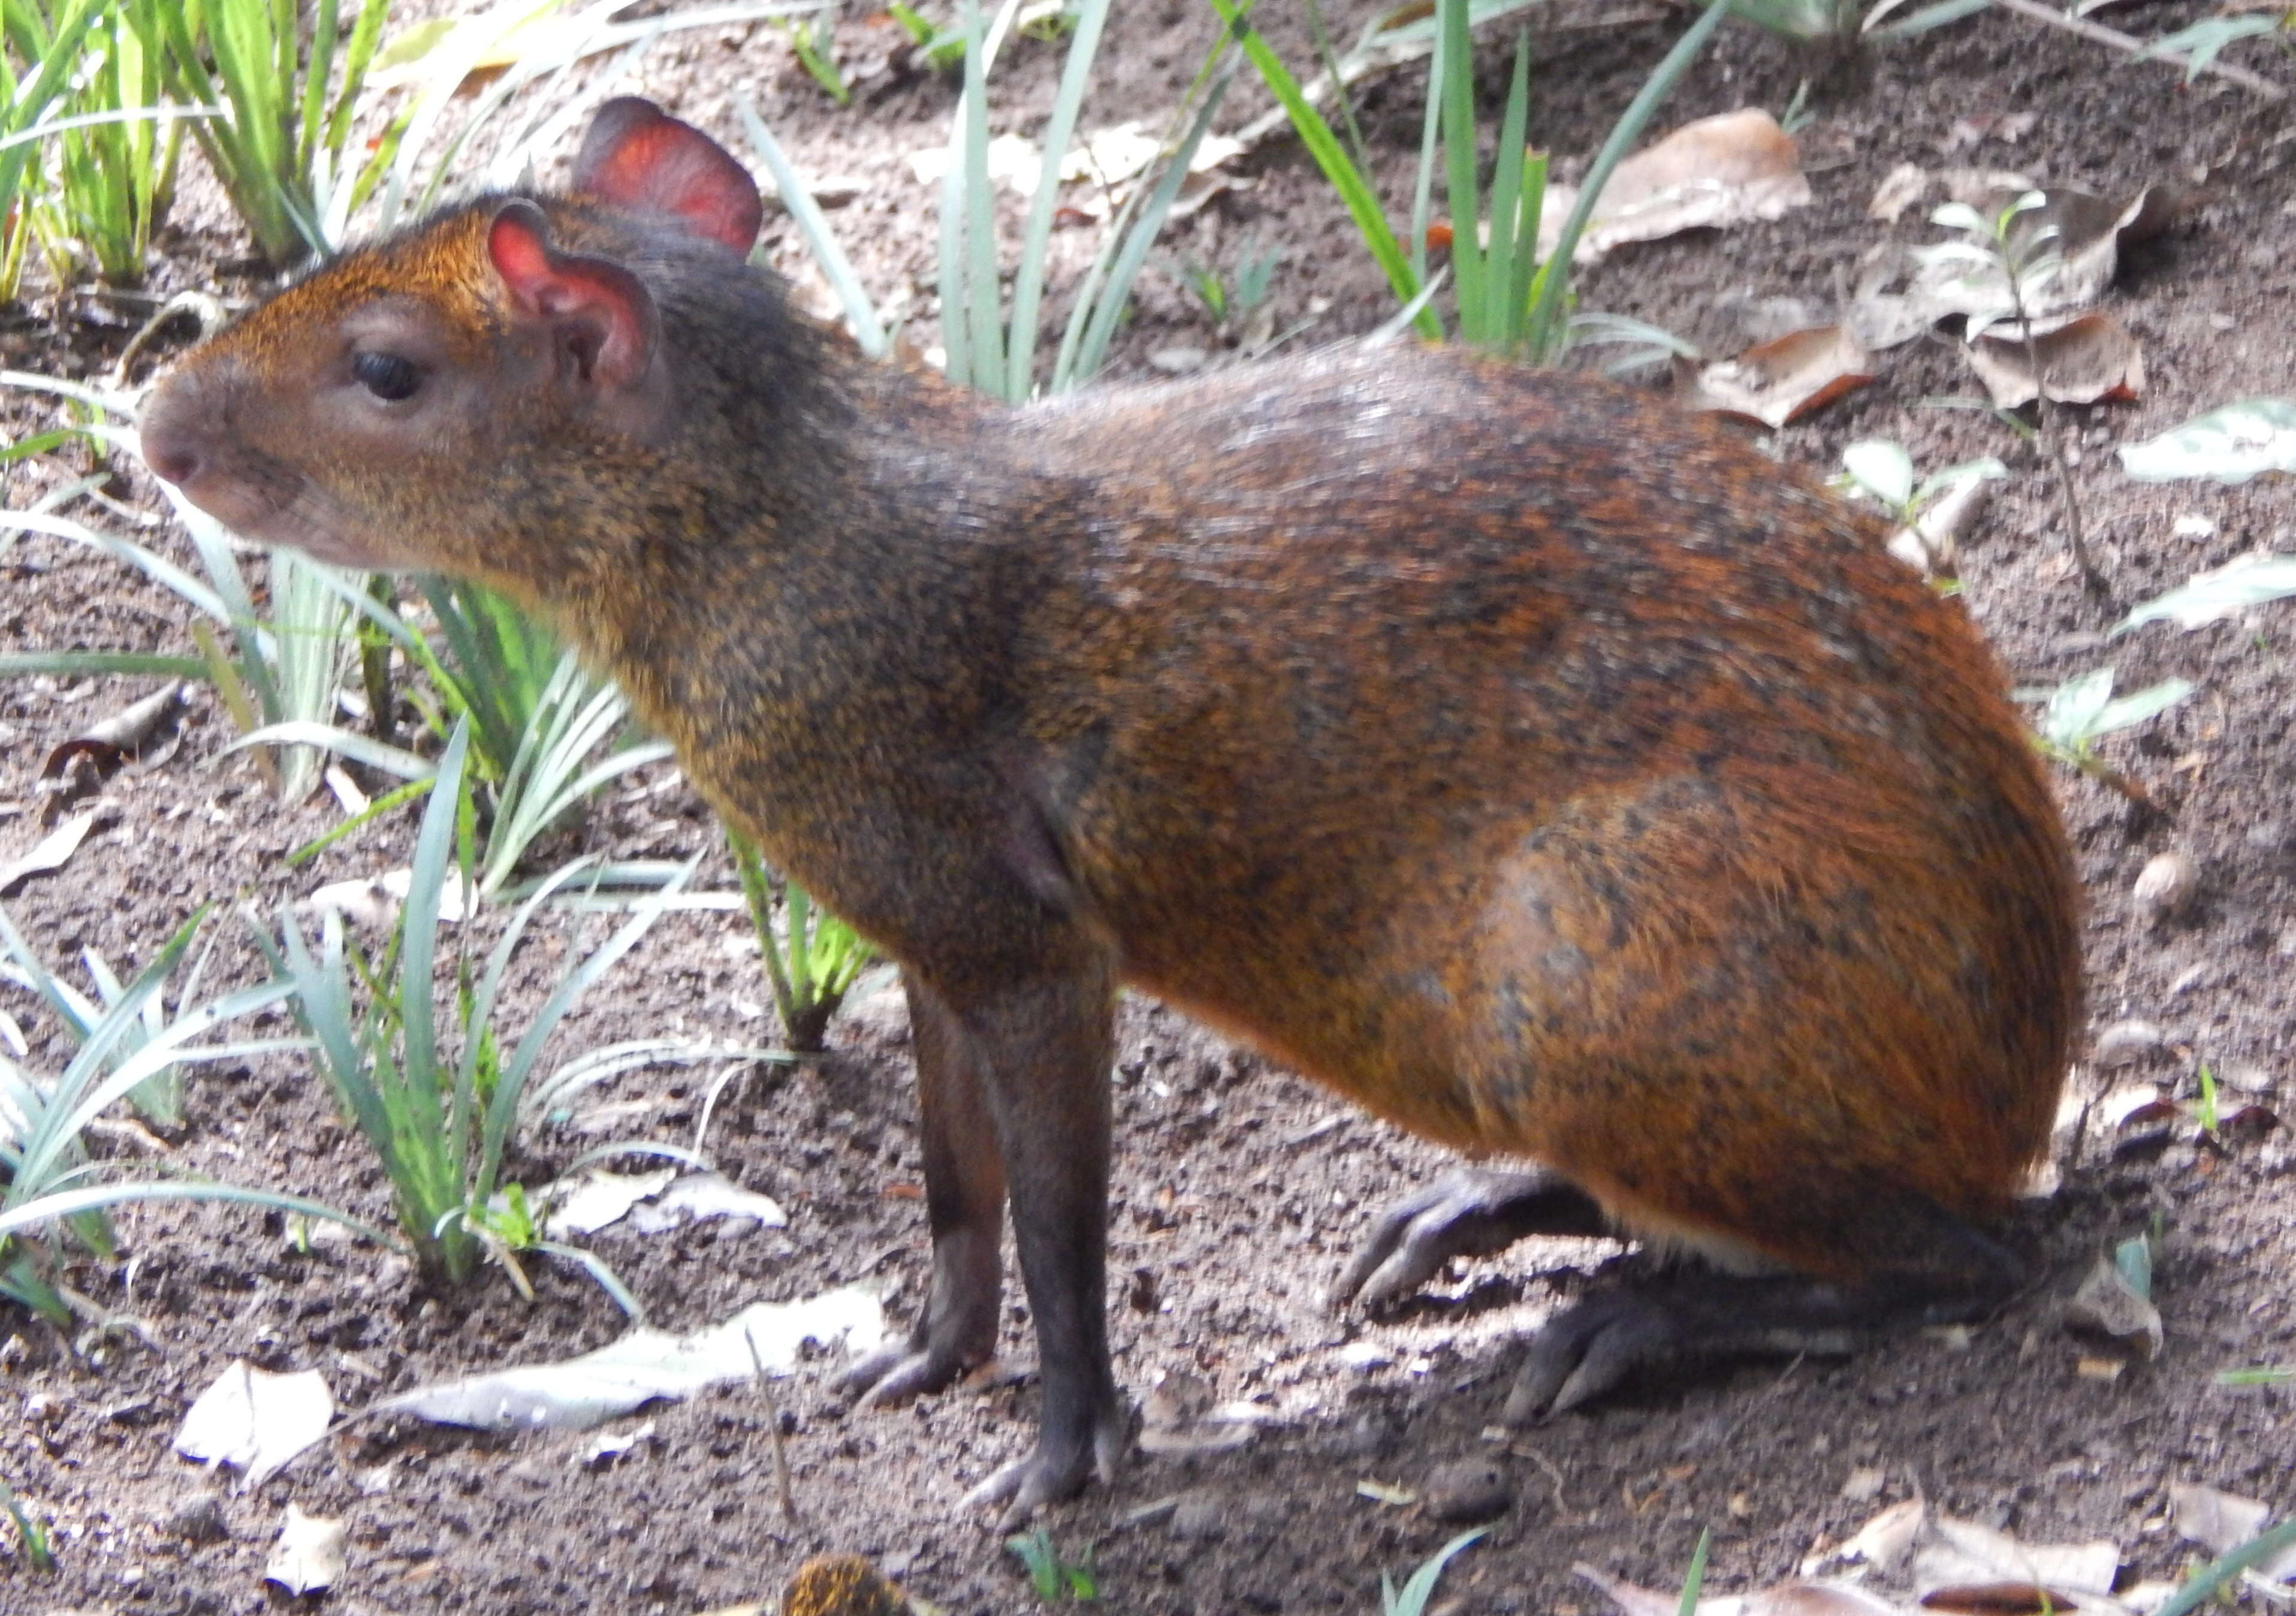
x=1239, y=1191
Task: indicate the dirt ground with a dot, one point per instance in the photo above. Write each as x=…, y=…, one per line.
x=1239, y=1191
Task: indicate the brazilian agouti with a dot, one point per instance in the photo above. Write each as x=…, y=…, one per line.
x=1541, y=766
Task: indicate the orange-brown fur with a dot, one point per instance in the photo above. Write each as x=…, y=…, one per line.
x=1542, y=767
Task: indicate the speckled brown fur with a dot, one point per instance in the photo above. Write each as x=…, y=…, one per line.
x=1542, y=768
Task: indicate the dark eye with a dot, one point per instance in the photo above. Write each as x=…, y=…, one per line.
x=386, y=376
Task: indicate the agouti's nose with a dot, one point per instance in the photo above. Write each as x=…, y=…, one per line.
x=177, y=443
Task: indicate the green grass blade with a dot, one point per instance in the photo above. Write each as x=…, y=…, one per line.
x=1029, y=276
x=1458, y=93
x=419, y=933
x=820, y=240
x=1544, y=327
x=1324, y=146
x=1106, y=307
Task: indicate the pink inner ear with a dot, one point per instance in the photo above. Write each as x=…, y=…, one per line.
x=637, y=156
x=599, y=311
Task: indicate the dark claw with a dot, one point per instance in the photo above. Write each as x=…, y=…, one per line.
x=1047, y=1476
x=894, y=1374
x=1590, y=1348
x=1468, y=1212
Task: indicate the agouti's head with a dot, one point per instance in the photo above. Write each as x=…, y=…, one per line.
x=395, y=401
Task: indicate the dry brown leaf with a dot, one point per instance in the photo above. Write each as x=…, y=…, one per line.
x=2217, y=1521
x=1782, y=381
x=113, y=738
x=51, y=852
x=2090, y=359
x=2105, y=1302
x=1797, y=1598
x=309, y=1554
x=1964, y=1560
x=1709, y=174
x=1932, y=543
x=1900, y=189
x=1883, y=1541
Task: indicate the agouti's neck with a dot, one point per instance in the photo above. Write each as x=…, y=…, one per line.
x=817, y=537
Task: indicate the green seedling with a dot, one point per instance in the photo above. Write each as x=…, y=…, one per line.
x=43, y=58
x=540, y=721
x=1693, y=1581
x=810, y=42
x=30, y=1530
x=1255, y=280
x=421, y=1106
x=1054, y=1579
x=811, y=957
x=116, y=152
x=986, y=347
x=2082, y=711
x=2208, y=1583
x=2200, y=43
x=1813, y=20
x=943, y=47
x=1507, y=300
x=1883, y=472
x=1419, y=1587
x=2017, y=251
x=158, y=1098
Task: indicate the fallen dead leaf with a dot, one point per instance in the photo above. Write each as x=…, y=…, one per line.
x=50, y=853
x=2217, y=1521
x=1968, y=1567
x=1782, y=381
x=1900, y=189
x=2090, y=359
x=2232, y=444
x=2107, y=1303
x=309, y=1554
x=1932, y=543
x=1795, y=1598
x=576, y=1393
x=115, y=737
x=1707, y=175
x=256, y=1421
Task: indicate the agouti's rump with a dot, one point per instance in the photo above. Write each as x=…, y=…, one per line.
x=1542, y=767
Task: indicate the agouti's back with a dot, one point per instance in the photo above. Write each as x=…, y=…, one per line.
x=1545, y=769
x=1556, y=774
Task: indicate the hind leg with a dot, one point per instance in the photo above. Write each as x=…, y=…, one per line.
x=1704, y=1316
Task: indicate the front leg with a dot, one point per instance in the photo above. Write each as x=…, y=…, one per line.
x=1044, y=1048
x=964, y=1207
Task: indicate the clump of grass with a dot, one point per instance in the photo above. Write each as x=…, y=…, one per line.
x=52, y=1180
x=812, y=958
x=438, y=1120
x=1054, y=1579
x=1506, y=299
x=287, y=91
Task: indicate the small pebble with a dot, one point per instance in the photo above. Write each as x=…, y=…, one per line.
x=2165, y=887
x=1468, y=1491
x=198, y=1520
x=1200, y=1518
x=2127, y=1043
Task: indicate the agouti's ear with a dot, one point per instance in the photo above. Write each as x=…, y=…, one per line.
x=636, y=155
x=601, y=313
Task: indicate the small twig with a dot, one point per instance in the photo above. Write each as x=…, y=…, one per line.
x=2134, y=46
x=2015, y=266
x=774, y=1423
